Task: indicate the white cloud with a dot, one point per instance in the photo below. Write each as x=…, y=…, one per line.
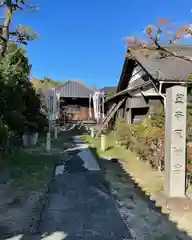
x=187, y=36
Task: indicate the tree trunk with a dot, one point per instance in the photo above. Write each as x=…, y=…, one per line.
x=6, y=27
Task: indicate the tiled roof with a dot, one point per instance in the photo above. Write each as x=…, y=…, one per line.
x=74, y=89
x=169, y=68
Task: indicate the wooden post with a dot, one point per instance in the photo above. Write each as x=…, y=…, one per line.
x=58, y=129
x=56, y=132
x=92, y=132
x=48, y=141
x=103, y=142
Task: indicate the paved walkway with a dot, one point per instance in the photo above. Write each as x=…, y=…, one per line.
x=79, y=205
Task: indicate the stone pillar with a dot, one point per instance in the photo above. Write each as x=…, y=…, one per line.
x=175, y=141
x=103, y=142
x=48, y=141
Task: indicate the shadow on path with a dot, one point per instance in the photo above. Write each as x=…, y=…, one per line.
x=132, y=190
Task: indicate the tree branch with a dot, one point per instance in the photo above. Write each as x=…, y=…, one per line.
x=174, y=54
x=16, y=6
x=18, y=41
x=2, y=3
x=154, y=45
x=31, y=7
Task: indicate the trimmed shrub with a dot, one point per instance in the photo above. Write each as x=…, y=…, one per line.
x=143, y=137
x=15, y=121
x=123, y=133
x=31, y=127
x=42, y=123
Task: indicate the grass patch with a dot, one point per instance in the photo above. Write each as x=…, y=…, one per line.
x=31, y=169
x=138, y=169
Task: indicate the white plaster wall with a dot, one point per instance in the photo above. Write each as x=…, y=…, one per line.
x=137, y=73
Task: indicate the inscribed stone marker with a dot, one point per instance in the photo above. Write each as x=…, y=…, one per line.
x=175, y=141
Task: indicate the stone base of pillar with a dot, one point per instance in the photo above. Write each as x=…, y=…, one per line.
x=172, y=204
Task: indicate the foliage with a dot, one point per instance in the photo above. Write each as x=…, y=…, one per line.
x=50, y=81
x=157, y=118
x=42, y=123
x=15, y=121
x=123, y=132
x=32, y=103
x=14, y=71
x=190, y=77
x=19, y=103
x=144, y=137
x=41, y=86
x=189, y=124
x=3, y=133
x=111, y=93
x=119, y=121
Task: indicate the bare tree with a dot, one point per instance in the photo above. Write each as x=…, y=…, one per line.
x=154, y=41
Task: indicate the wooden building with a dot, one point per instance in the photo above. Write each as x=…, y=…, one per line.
x=143, y=82
x=74, y=101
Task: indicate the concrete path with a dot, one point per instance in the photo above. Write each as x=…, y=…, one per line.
x=79, y=205
x=82, y=159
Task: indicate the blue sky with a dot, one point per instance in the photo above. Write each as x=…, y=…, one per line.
x=83, y=39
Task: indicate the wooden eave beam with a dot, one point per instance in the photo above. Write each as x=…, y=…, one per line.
x=176, y=82
x=121, y=93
